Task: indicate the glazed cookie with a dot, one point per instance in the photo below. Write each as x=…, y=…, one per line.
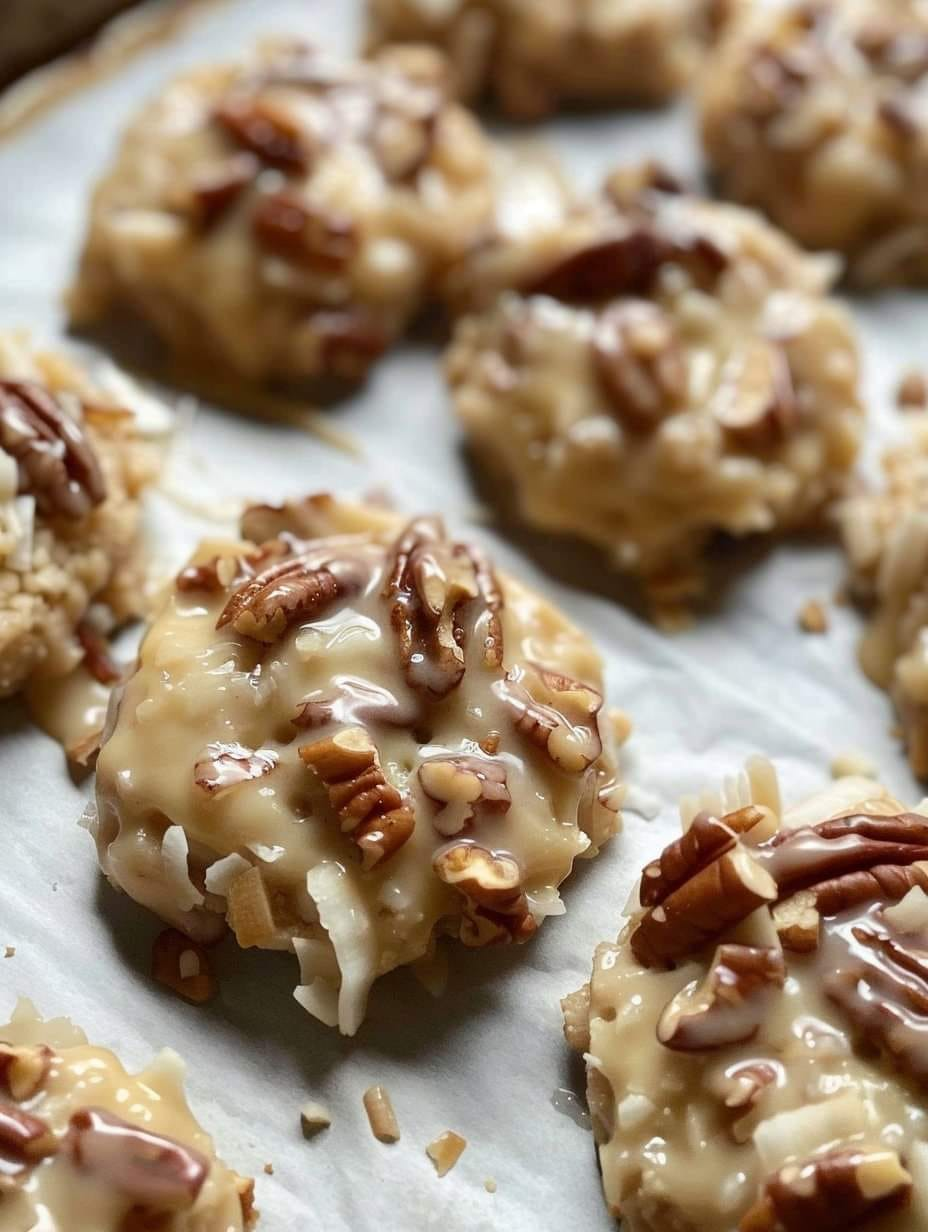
x=534, y=57
x=73, y=464
x=756, y=1039
x=348, y=735
x=814, y=113
x=283, y=218
x=86, y=1146
x=885, y=534
x=663, y=369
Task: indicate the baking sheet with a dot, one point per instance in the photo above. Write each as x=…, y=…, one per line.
x=486, y=1059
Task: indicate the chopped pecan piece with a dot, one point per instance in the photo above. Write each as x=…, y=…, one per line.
x=183, y=966
x=430, y=580
x=218, y=188
x=640, y=363
x=350, y=340
x=623, y=264
x=97, y=658
x=459, y=786
x=226, y=765
x=355, y=702
x=756, y=400
x=57, y=464
x=496, y=908
x=719, y=896
x=745, y=1083
x=24, y=1138
x=844, y=1189
x=558, y=714
x=797, y=921
x=153, y=1171
x=491, y=593
x=23, y=1069
x=285, y=225
x=369, y=808
x=290, y=590
x=707, y=838
x=266, y=131
x=729, y=1006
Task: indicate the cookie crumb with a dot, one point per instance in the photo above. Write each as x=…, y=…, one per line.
x=380, y=1114
x=912, y=393
x=314, y=1117
x=9, y=951
x=489, y=1185
x=852, y=762
x=813, y=617
x=269, y=1169
x=445, y=1151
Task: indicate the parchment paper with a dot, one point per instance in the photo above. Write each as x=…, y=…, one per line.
x=486, y=1058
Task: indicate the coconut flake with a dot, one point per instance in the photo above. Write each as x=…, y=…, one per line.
x=345, y=918
x=9, y=476
x=174, y=853
x=221, y=874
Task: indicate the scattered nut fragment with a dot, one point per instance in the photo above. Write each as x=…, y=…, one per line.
x=9, y=951
x=813, y=617
x=269, y=1169
x=183, y=966
x=380, y=1114
x=24, y=1069
x=314, y=1117
x=445, y=1151
x=490, y=1185
x=912, y=393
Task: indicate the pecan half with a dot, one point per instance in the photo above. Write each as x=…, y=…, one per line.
x=719, y=896
x=24, y=1138
x=56, y=462
x=23, y=1069
x=640, y=363
x=294, y=589
x=222, y=766
x=429, y=581
x=265, y=130
x=558, y=714
x=287, y=226
x=496, y=909
x=183, y=966
x=622, y=264
x=459, y=786
x=218, y=188
x=151, y=1170
x=730, y=1004
x=843, y=1189
x=369, y=808
x=707, y=838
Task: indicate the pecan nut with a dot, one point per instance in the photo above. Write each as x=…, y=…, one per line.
x=369, y=808
x=706, y=838
x=24, y=1138
x=216, y=190
x=265, y=130
x=24, y=1069
x=496, y=908
x=285, y=225
x=459, y=786
x=756, y=400
x=558, y=714
x=56, y=462
x=226, y=765
x=291, y=590
x=621, y=264
x=639, y=363
x=729, y=1006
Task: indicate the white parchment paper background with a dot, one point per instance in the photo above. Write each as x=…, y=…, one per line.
x=485, y=1059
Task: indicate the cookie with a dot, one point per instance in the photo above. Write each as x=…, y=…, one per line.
x=283, y=218
x=73, y=464
x=885, y=533
x=660, y=369
x=89, y=1147
x=756, y=1039
x=348, y=735
x=533, y=58
x=813, y=113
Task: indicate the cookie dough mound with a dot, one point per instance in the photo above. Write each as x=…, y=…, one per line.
x=72, y=468
x=283, y=218
x=89, y=1147
x=814, y=114
x=347, y=735
x=885, y=533
x=533, y=57
x=662, y=369
x=757, y=1039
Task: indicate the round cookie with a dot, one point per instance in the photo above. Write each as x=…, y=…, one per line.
x=885, y=532
x=73, y=464
x=661, y=369
x=532, y=58
x=814, y=113
x=284, y=217
x=87, y=1147
x=756, y=1038
x=347, y=736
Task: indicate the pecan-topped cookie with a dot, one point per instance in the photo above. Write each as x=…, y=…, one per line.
x=348, y=735
x=885, y=532
x=532, y=58
x=284, y=217
x=757, y=1039
x=815, y=112
x=72, y=466
x=86, y=1146
x=660, y=369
